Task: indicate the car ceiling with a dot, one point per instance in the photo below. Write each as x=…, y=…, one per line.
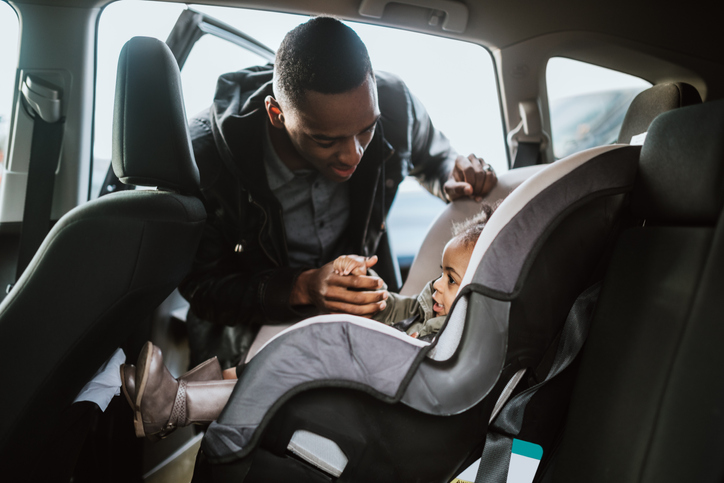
x=691, y=29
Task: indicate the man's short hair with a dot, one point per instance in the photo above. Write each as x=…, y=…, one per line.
x=321, y=55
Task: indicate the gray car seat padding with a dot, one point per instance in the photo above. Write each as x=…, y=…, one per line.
x=347, y=351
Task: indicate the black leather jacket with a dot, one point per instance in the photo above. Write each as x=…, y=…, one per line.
x=241, y=273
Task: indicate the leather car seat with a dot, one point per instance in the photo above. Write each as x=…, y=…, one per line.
x=105, y=265
x=647, y=404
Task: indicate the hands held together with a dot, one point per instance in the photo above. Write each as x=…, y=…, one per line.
x=342, y=286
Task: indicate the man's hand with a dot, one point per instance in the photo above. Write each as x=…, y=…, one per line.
x=471, y=177
x=329, y=292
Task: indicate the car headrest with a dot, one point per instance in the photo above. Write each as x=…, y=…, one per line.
x=652, y=102
x=681, y=173
x=151, y=143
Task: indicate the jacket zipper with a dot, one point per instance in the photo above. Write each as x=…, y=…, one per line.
x=372, y=204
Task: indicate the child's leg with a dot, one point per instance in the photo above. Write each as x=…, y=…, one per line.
x=161, y=403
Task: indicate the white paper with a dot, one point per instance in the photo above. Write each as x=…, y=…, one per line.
x=106, y=384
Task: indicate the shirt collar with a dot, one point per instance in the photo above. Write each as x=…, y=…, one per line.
x=277, y=173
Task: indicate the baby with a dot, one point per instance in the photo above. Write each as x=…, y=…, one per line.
x=422, y=316
x=161, y=403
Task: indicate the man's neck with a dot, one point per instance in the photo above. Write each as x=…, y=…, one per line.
x=285, y=149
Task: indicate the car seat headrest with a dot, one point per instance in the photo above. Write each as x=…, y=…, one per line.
x=151, y=142
x=681, y=173
x=652, y=102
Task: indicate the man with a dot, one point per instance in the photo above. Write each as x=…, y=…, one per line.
x=298, y=165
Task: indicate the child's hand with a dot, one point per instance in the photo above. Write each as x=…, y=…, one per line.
x=353, y=264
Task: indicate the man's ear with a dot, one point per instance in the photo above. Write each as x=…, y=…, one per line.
x=274, y=111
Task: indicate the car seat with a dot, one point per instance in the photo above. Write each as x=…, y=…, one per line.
x=647, y=404
x=105, y=265
x=342, y=398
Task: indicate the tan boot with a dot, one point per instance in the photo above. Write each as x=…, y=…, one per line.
x=162, y=403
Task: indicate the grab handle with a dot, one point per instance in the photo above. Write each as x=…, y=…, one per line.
x=456, y=13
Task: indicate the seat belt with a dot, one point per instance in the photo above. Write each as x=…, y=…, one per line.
x=495, y=461
x=43, y=101
x=528, y=154
x=528, y=136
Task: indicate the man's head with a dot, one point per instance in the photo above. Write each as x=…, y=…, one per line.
x=325, y=97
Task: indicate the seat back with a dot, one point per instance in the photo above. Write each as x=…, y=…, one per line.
x=647, y=405
x=106, y=264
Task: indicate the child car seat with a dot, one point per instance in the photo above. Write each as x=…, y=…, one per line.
x=376, y=405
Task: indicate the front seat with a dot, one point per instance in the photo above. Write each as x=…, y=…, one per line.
x=105, y=265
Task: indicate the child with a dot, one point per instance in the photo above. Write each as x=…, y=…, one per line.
x=162, y=403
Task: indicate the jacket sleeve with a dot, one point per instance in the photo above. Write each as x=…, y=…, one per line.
x=432, y=157
x=399, y=307
x=223, y=286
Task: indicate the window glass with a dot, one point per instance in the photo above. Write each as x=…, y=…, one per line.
x=8, y=68
x=211, y=57
x=587, y=104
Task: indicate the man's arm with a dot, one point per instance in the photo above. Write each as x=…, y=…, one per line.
x=224, y=287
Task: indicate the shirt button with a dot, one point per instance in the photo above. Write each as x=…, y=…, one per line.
x=390, y=183
x=321, y=224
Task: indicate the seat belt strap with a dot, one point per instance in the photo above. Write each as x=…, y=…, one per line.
x=44, y=155
x=528, y=154
x=495, y=461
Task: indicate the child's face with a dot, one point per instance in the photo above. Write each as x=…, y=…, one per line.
x=455, y=260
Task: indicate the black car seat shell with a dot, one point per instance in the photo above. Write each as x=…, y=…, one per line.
x=106, y=264
x=647, y=404
x=388, y=400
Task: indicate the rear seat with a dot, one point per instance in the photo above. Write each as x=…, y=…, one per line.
x=648, y=401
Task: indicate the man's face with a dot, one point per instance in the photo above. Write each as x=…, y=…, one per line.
x=331, y=131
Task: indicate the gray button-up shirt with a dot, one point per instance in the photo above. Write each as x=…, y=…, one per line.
x=315, y=209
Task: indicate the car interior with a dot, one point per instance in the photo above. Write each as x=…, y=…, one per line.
x=582, y=345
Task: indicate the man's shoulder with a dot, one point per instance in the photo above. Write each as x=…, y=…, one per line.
x=390, y=88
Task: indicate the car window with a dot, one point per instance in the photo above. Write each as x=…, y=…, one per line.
x=587, y=104
x=454, y=80
x=211, y=57
x=8, y=67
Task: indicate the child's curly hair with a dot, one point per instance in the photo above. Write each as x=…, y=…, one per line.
x=468, y=231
